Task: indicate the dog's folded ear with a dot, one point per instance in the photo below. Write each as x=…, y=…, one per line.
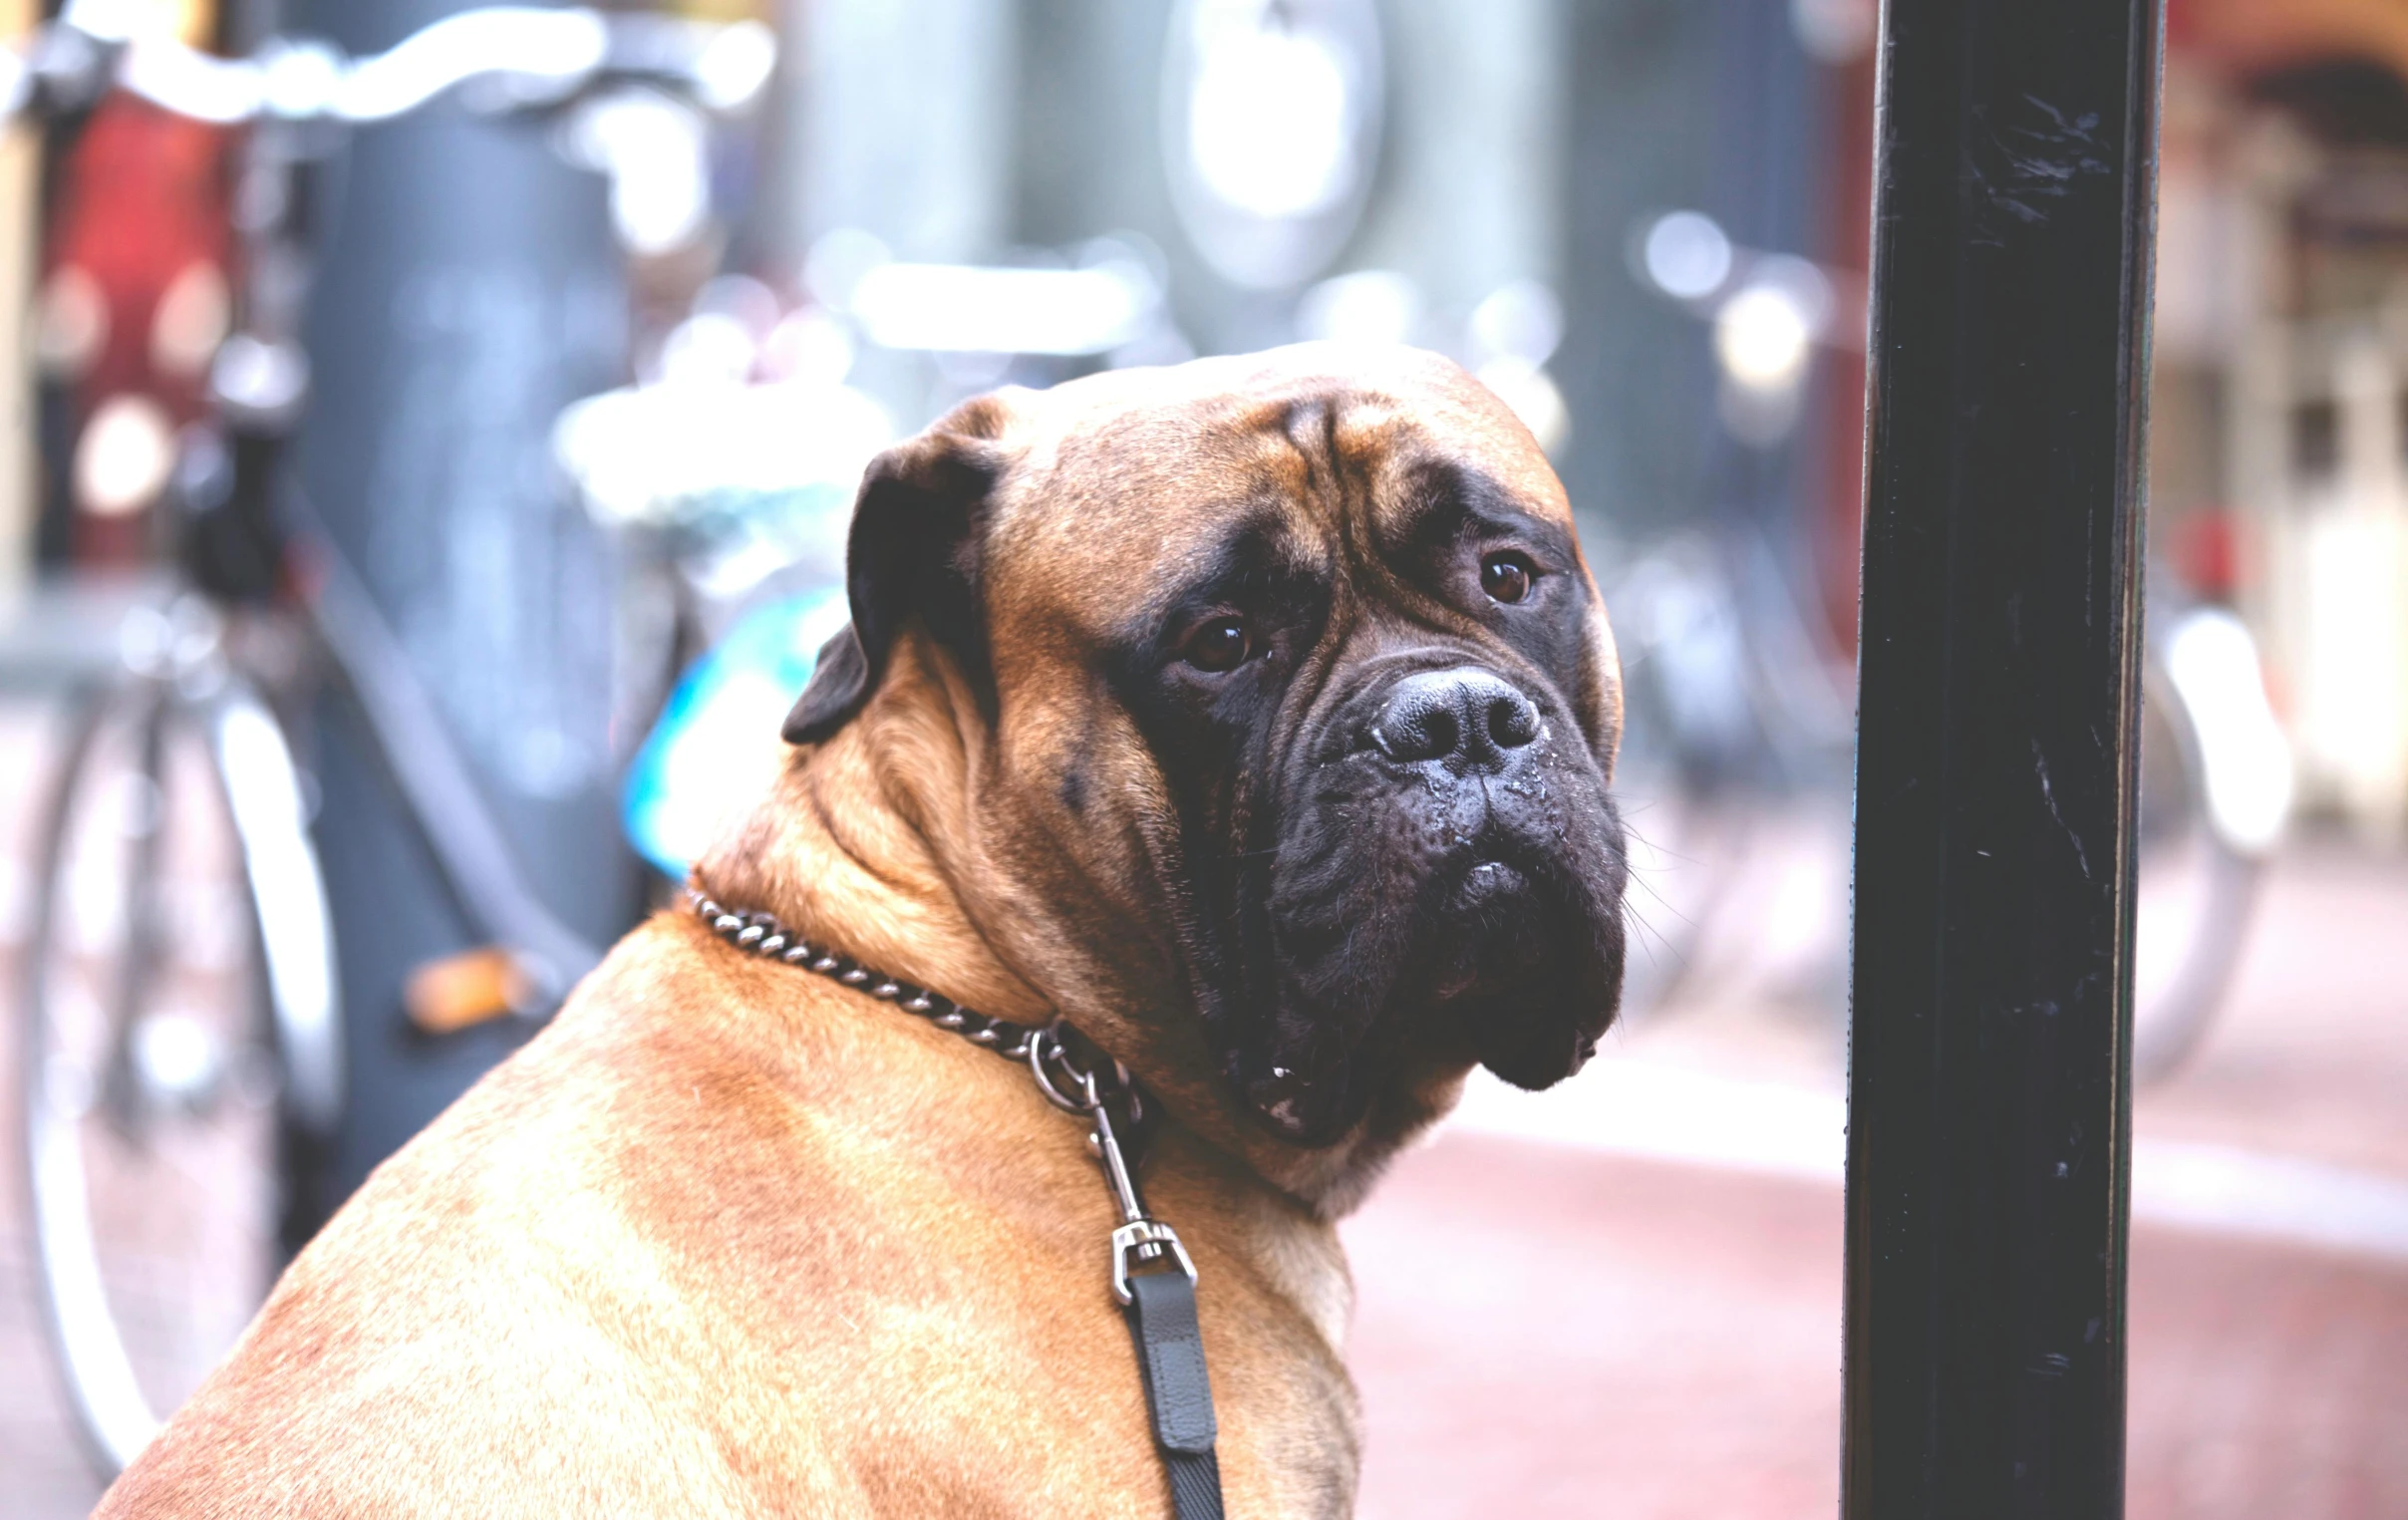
x=912, y=554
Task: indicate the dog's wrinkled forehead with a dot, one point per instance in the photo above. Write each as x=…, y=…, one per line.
x=1325, y=450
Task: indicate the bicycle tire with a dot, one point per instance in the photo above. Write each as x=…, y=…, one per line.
x=103, y=1394
x=2171, y=1021
x=95, y=1124
x=1688, y=846
x=294, y=940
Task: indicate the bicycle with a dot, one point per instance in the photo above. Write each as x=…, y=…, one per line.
x=1733, y=697
x=1732, y=708
x=180, y=1060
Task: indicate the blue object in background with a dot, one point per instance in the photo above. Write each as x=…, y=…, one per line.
x=717, y=739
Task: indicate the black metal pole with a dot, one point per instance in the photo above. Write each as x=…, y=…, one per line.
x=1988, y=1087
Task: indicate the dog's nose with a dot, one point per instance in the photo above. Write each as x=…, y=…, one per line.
x=1467, y=718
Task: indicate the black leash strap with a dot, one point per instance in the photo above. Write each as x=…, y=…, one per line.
x=1160, y=1303
x=1170, y=1356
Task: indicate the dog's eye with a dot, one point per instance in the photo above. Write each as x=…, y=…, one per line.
x=1507, y=577
x=1217, y=645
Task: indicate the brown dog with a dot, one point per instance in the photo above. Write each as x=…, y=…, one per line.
x=1256, y=716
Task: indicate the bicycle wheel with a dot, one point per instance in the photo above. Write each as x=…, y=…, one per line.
x=148, y=1069
x=1692, y=745
x=2194, y=891
x=1687, y=845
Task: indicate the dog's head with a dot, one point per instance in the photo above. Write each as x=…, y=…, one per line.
x=1295, y=709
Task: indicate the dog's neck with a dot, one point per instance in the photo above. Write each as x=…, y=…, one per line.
x=865, y=843
x=856, y=844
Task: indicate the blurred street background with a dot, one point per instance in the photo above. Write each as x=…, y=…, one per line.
x=425, y=442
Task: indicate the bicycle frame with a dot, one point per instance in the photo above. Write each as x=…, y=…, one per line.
x=189, y=681
x=522, y=57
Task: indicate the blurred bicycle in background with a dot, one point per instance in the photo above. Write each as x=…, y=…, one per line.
x=1738, y=702
x=182, y=1059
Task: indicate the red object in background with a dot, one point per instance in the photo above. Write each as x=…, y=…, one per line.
x=1848, y=243
x=139, y=212
x=2252, y=37
x=2209, y=553
x=2182, y=26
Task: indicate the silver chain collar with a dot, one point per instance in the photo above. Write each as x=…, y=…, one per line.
x=1087, y=1090
x=762, y=934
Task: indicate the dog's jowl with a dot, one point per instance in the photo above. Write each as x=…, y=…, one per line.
x=1255, y=719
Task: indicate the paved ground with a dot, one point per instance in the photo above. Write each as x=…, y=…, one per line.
x=1562, y=1329
x=1553, y=1330
x=1546, y=1333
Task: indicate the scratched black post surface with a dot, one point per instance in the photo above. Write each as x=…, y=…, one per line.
x=1989, y=1085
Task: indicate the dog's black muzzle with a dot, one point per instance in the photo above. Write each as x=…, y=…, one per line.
x=1448, y=867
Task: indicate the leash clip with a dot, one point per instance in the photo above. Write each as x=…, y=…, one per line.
x=1138, y=1238
x=1147, y=1239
